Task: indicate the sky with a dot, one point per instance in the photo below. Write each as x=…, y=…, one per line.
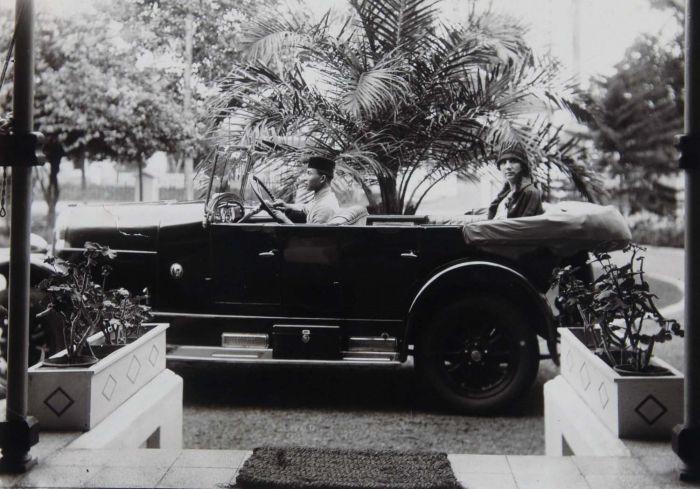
x=607, y=27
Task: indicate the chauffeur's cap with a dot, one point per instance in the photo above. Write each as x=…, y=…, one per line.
x=323, y=165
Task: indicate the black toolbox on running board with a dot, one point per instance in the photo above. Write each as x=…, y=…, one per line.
x=305, y=342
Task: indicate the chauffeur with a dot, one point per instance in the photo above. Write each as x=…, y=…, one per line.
x=325, y=204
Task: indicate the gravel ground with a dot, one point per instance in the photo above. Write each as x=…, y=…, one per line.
x=244, y=407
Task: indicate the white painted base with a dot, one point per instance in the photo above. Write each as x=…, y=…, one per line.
x=571, y=428
x=637, y=407
x=74, y=398
x=151, y=418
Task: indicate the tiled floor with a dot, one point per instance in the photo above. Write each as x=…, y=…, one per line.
x=144, y=468
x=216, y=469
x=541, y=472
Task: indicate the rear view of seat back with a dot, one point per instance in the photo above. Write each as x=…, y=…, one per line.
x=355, y=215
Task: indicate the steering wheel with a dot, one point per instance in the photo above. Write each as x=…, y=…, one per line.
x=258, y=187
x=224, y=208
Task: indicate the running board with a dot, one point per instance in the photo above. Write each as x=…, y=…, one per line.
x=183, y=353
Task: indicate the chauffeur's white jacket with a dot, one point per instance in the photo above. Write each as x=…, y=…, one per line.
x=321, y=208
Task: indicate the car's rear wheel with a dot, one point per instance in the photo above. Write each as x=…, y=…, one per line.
x=478, y=355
x=44, y=333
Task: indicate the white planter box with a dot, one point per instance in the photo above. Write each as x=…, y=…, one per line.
x=79, y=398
x=630, y=406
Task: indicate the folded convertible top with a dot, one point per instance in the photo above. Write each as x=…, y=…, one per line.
x=565, y=228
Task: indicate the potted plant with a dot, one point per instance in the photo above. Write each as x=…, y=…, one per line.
x=609, y=328
x=110, y=352
x=86, y=307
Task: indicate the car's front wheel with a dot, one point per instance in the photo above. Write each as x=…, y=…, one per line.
x=478, y=355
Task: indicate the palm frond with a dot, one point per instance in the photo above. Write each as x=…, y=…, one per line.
x=390, y=93
x=376, y=90
x=396, y=24
x=272, y=35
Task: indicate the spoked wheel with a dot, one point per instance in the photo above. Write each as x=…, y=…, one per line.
x=478, y=355
x=44, y=333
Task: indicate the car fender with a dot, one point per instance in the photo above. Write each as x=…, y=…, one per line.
x=458, y=279
x=38, y=269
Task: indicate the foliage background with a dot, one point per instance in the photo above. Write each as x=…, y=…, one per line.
x=401, y=100
x=111, y=85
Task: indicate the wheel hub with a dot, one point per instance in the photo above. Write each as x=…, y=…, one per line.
x=476, y=356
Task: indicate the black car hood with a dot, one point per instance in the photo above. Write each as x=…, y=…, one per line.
x=129, y=226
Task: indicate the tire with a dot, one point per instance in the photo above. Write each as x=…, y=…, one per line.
x=478, y=355
x=44, y=333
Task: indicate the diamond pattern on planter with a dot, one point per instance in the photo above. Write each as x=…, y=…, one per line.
x=603, y=395
x=153, y=355
x=134, y=369
x=109, y=387
x=585, y=376
x=650, y=409
x=58, y=401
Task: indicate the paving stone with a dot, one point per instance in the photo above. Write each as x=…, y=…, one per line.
x=56, y=476
x=51, y=442
x=609, y=465
x=665, y=469
x=114, y=458
x=79, y=458
x=644, y=448
x=487, y=481
x=479, y=464
x=197, y=478
x=678, y=485
x=537, y=464
x=225, y=459
x=638, y=481
x=126, y=477
x=548, y=480
x=661, y=463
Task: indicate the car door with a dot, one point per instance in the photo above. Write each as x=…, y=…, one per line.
x=245, y=265
x=378, y=269
x=310, y=274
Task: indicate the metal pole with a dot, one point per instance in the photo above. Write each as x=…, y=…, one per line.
x=686, y=438
x=16, y=432
x=187, y=103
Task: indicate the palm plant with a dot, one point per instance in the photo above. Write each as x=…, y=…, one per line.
x=400, y=100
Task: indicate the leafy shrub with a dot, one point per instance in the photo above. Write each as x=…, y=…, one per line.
x=86, y=307
x=617, y=310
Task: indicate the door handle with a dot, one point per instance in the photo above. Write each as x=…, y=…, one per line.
x=268, y=253
x=409, y=254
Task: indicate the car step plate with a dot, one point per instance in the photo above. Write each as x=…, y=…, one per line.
x=214, y=354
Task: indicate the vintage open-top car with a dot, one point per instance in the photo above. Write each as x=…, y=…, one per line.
x=465, y=298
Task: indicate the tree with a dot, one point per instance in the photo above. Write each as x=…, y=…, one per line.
x=202, y=38
x=159, y=26
x=93, y=100
x=401, y=101
x=203, y=35
x=639, y=113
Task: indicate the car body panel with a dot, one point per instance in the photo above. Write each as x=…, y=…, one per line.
x=374, y=280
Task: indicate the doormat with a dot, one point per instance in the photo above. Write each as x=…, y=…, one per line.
x=331, y=468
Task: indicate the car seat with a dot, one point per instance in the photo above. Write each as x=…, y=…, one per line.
x=355, y=215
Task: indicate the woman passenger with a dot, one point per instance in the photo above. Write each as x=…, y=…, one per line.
x=519, y=196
